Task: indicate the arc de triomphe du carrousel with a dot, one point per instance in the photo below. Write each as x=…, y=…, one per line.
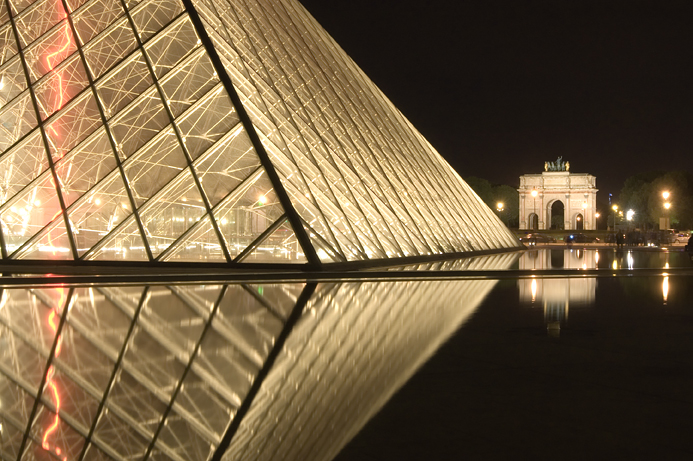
x=541, y=197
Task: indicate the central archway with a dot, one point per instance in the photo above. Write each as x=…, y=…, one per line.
x=557, y=215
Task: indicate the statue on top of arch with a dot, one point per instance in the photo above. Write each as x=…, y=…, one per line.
x=558, y=165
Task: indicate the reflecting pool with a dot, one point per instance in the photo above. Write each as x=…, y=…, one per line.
x=294, y=370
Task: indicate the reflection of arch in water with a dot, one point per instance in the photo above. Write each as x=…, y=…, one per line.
x=557, y=295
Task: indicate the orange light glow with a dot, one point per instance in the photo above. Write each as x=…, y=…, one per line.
x=53, y=320
x=51, y=61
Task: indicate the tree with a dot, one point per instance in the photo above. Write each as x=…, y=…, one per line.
x=492, y=194
x=643, y=194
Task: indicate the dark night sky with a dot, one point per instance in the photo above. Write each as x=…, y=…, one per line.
x=499, y=87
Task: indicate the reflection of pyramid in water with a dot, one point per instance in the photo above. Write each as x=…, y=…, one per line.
x=211, y=130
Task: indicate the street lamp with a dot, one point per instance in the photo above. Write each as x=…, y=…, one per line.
x=499, y=207
x=615, y=208
x=664, y=224
x=534, y=195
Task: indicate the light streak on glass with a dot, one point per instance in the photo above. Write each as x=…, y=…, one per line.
x=53, y=324
x=51, y=61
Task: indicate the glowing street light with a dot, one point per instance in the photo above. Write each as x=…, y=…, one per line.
x=500, y=206
x=630, y=214
x=667, y=205
x=615, y=208
x=665, y=194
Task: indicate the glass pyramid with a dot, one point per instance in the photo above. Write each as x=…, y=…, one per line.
x=214, y=131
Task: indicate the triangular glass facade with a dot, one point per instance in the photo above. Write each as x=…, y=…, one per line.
x=211, y=131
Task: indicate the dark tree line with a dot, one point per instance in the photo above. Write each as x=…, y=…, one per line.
x=642, y=193
x=492, y=194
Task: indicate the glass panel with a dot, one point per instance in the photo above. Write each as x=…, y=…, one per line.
x=72, y=125
x=155, y=165
x=172, y=45
x=139, y=122
x=281, y=246
x=281, y=298
x=199, y=400
x=201, y=244
x=33, y=208
x=52, y=243
x=111, y=46
x=68, y=399
x=226, y=165
x=99, y=212
x=95, y=314
x=63, y=439
x=152, y=361
x=186, y=83
x=230, y=370
x=124, y=244
x=174, y=319
x=248, y=323
x=120, y=437
x=16, y=120
x=154, y=15
x=95, y=454
x=86, y=165
x=11, y=440
x=50, y=50
x=209, y=120
x=22, y=165
x=21, y=360
x=131, y=398
x=60, y=86
x=202, y=298
x=16, y=403
x=95, y=17
x=169, y=214
x=324, y=251
x=248, y=212
x=35, y=21
x=12, y=80
x=124, y=84
x=30, y=318
x=82, y=355
x=8, y=45
x=179, y=435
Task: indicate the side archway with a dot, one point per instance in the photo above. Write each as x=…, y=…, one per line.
x=579, y=222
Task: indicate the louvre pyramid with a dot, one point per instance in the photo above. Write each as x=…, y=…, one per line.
x=223, y=131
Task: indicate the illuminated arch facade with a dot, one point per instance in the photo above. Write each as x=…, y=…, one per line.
x=225, y=131
x=576, y=191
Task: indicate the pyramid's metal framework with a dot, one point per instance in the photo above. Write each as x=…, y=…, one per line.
x=211, y=130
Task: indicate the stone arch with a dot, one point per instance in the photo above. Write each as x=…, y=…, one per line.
x=533, y=220
x=579, y=222
x=555, y=214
